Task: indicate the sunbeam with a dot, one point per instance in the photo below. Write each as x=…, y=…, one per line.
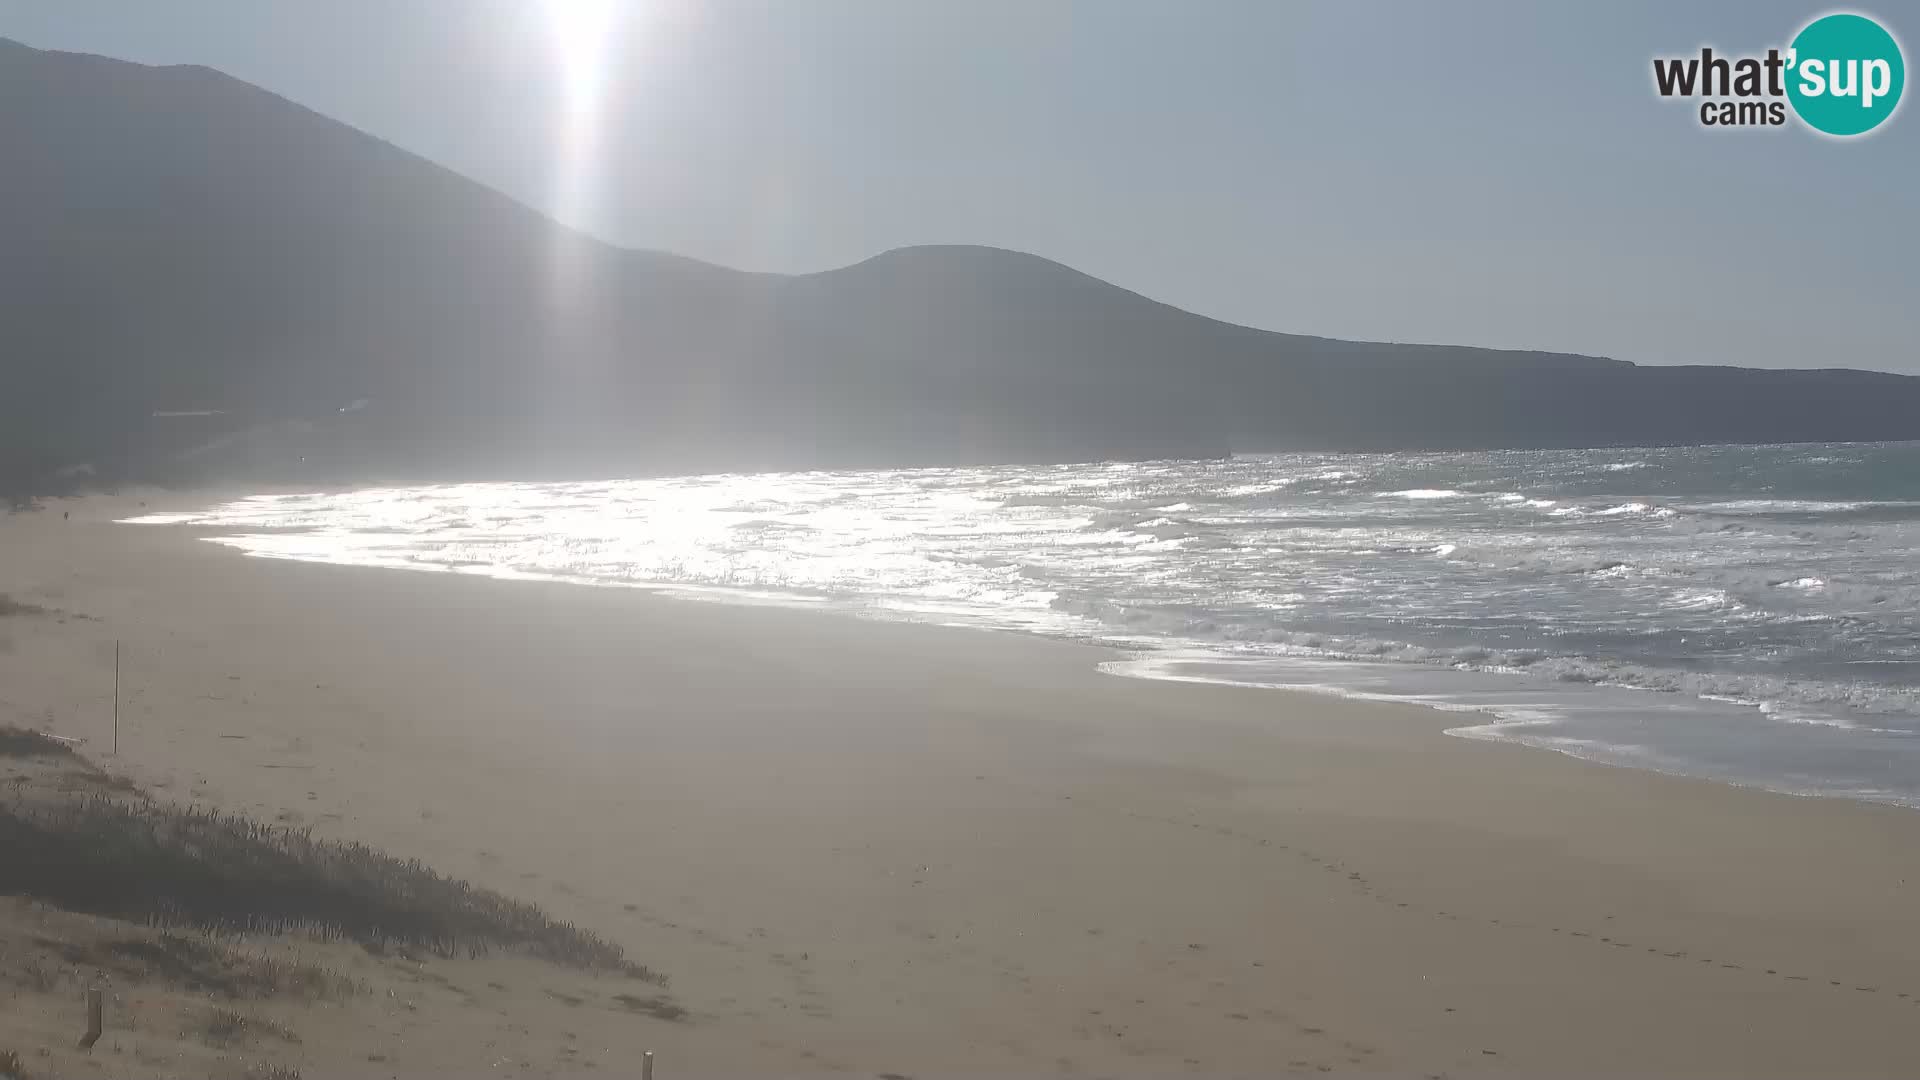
x=583, y=34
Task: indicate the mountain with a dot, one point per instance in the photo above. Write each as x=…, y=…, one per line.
x=201, y=280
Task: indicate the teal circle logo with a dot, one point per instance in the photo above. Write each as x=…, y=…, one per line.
x=1845, y=74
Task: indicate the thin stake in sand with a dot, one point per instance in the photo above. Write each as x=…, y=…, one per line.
x=116, y=697
x=93, y=1018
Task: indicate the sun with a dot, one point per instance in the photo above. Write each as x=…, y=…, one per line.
x=581, y=31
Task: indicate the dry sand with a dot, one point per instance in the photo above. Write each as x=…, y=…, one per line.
x=891, y=849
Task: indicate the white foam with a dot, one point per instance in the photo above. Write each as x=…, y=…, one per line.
x=1798, y=506
x=1244, y=491
x=163, y=519
x=1699, y=598
x=1628, y=509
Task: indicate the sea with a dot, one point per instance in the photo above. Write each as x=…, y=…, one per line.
x=1749, y=614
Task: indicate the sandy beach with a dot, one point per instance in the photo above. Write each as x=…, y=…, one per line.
x=887, y=849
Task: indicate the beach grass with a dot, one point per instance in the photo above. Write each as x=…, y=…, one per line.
x=203, y=966
x=174, y=866
x=10, y=606
x=21, y=743
x=97, y=845
x=223, y=1027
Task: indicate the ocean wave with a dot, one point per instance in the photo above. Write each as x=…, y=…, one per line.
x=1047, y=500
x=1700, y=598
x=1628, y=509
x=771, y=525
x=1422, y=493
x=1763, y=507
x=1514, y=497
x=1788, y=713
x=1611, y=570
x=1248, y=491
x=1201, y=632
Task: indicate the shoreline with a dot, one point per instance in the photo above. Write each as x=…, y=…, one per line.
x=1534, y=725
x=889, y=847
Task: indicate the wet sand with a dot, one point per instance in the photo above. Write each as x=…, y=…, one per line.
x=894, y=849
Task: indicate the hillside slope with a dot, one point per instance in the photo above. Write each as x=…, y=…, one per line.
x=327, y=305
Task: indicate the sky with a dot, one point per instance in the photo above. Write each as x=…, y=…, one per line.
x=1480, y=173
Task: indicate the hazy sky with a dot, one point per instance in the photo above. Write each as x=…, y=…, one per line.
x=1479, y=173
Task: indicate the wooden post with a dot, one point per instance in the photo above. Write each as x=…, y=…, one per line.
x=93, y=1019
x=116, y=697
x=646, y=1066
